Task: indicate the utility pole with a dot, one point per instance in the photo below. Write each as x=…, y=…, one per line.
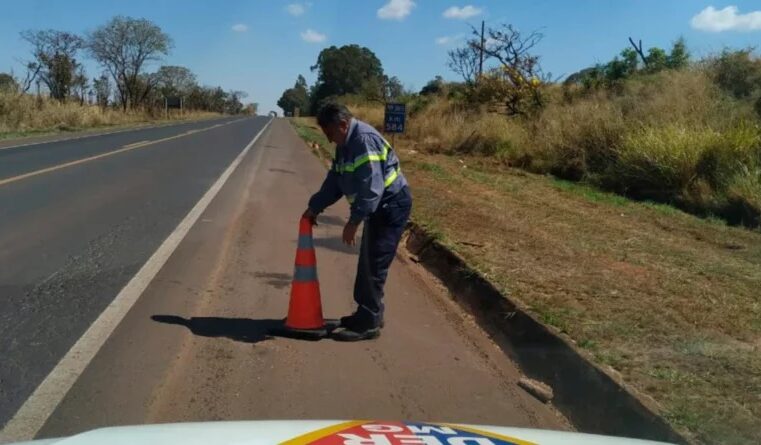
x=481, y=56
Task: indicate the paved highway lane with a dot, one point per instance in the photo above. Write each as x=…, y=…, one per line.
x=70, y=238
x=21, y=159
x=187, y=338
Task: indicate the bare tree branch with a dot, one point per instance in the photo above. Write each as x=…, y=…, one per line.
x=464, y=61
x=639, y=50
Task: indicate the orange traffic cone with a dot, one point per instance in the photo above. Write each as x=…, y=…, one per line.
x=305, y=307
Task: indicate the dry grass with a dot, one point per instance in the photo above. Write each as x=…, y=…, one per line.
x=667, y=300
x=673, y=137
x=22, y=114
x=445, y=128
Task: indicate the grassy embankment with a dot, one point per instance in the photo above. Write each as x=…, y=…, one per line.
x=24, y=115
x=669, y=301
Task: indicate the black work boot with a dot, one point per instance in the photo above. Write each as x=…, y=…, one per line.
x=352, y=321
x=347, y=334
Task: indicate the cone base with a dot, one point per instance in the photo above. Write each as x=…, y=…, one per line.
x=306, y=334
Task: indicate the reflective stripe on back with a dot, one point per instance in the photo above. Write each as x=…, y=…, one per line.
x=363, y=159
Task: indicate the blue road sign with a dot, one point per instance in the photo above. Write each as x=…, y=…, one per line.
x=393, y=121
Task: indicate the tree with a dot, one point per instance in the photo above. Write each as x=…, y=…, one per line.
x=465, y=61
x=737, y=72
x=251, y=109
x=124, y=46
x=146, y=87
x=517, y=82
x=175, y=81
x=632, y=61
x=8, y=83
x=31, y=70
x=233, y=105
x=679, y=56
x=55, y=61
x=619, y=69
x=434, y=86
x=342, y=71
x=102, y=86
x=79, y=85
x=393, y=88
x=383, y=89
x=657, y=60
x=298, y=96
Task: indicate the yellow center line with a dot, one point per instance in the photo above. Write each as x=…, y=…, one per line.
x=128, y=147
x=135, y=144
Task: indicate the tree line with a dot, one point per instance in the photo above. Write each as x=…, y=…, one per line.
x=124, y=48
x=342, y=71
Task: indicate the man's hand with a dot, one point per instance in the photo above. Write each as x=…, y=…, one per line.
x=311, y=216
x=350, y=233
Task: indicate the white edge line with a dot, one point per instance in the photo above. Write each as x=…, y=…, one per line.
x=35, y=411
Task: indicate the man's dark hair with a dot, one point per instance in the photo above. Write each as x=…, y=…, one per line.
x=332, y=113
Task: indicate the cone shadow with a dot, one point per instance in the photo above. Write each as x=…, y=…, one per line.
x=244, y=330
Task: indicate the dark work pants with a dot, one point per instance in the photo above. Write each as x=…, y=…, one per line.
x=380, y=238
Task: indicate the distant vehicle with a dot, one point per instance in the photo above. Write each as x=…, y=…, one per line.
x=327, y=432
x=272, y=114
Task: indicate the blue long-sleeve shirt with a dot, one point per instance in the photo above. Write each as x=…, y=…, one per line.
x=364, y=168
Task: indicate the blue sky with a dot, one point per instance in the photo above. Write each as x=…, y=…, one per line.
x=274, y=41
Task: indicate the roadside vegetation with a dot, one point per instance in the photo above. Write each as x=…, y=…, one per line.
x=54, y=93
x=619, y=206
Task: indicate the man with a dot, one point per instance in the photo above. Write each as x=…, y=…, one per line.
x=366, y=170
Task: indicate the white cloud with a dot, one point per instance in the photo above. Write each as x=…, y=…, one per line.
x=313, y=36
x=396, y=9
x=295, y=9
x=240, y=27
x=446, y=40
x=463, y=13
x=727, y=19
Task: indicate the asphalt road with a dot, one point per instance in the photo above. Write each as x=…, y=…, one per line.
x=71, y=238
x=194, y=345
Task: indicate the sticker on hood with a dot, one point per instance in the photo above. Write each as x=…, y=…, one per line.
x=399, y=433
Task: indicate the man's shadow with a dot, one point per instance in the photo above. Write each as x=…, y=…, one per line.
x=243, y=330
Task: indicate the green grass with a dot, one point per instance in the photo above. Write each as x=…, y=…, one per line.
x=590, y=193
x=438, y=172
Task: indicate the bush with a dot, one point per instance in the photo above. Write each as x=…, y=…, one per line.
x=737, y=72
x=674, y=136
x=576, y=140
x=659, y=163
x=744, y=199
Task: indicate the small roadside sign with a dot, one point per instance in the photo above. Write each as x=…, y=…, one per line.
x=173, y=102
x=393, y=121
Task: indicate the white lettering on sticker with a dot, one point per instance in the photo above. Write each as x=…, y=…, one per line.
x=374, y=439
x=417, y=440
x=427, y=429
x=382, y=428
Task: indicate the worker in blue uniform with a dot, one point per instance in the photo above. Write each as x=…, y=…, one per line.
x=366, y=171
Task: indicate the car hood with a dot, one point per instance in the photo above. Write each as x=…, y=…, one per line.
x=326, y=432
